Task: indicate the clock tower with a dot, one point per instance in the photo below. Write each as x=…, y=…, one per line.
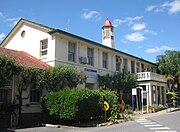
x=108, y=34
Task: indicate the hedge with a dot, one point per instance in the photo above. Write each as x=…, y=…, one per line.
x=79, y=103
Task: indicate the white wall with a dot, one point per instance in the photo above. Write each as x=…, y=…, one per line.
x=31, y=42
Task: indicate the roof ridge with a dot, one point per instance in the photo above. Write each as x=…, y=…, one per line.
x=36, y=23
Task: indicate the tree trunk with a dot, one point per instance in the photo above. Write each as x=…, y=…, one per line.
x=20, y=108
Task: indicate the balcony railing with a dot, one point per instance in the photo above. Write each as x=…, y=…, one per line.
x=143, y=76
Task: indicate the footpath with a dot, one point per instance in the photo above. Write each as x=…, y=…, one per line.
x=139, y=114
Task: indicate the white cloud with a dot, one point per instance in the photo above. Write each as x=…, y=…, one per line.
x=138, y=26
x=135, y=37
x=150, y=32
x=150, y=8
x=1, y=15
x=171, y=7
x=12, y=21
x=128, y=20
x=158, y=49
x=2, y=36
x=91, y=15
x=174, y=7
x=140, y=47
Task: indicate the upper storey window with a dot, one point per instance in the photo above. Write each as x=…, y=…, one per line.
x=132, y=67
x=125, y=64
x=118, y=63
x=105, y=60
x=90, y=56
x=44, y=47
x=71, y=51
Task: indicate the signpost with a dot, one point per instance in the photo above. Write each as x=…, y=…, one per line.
x=105, y=108
x=134, y=93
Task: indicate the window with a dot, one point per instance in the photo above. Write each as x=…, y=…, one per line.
x=71, y=51
x=90, y=56
x=105, y=60
x=132, y=67
x=23, y=34
x=148, y=68
x=3, y=95
x=125, y=68
x=137, y=67
x=44, y=47
x=35, y=96
x=6, y=91
x=142, y=68
x=107, y=33
x=118, y=63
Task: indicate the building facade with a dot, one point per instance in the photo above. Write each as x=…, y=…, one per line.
x=57, y=47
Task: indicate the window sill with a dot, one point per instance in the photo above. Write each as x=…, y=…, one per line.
x=43, y=57
x=35, y=103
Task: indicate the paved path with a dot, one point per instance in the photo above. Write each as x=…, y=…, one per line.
x=153, y=122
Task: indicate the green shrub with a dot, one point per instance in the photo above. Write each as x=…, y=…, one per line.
x=79, y=103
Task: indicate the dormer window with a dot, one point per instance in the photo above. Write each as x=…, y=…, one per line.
x=43, y=47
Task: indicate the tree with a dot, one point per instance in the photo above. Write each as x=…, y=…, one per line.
x=169, y=65
x=27, y=78
x=173, y=95
x=8, y=68
x=57, y=78
x=120, y=82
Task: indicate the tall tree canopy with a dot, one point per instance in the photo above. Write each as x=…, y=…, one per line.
x=54, y=79
x=169, y=65
x=120, y=82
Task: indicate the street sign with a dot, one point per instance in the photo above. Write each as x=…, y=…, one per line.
x=105, y=106
x=134, y=92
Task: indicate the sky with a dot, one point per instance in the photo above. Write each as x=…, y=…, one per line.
x=143, y=28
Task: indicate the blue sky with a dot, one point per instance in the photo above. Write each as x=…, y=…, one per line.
x=144, y=28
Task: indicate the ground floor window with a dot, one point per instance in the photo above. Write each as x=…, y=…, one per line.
x=3, y=95
x=35, y=96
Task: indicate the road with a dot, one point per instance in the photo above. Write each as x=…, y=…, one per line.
x=163, y=122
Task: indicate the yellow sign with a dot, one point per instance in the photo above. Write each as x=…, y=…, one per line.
x=105, y=106
x=123, y=105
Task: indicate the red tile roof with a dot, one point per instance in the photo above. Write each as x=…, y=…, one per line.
x=23, y=58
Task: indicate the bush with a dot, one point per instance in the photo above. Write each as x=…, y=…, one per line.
x=79, y=103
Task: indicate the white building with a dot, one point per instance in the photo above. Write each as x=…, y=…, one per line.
x=56, y=47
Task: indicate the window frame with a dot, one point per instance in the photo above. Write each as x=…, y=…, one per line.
x=125, y=64
x=43, y=50
x=105, y=60
x=132, y=66
x=72, y=51
x=90, y=56
x=118, y=64
x=35, y=96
